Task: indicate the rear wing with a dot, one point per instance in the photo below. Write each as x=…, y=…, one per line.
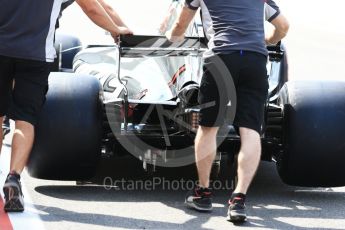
x=133, y=46
x=141, y=46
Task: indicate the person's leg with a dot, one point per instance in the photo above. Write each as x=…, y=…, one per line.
x=251, y=99
x=21, y=147
x=215, y=93
x=23, y=138
x=248, y=159
x=212, y=116
x=30, y=88
x=205, y=152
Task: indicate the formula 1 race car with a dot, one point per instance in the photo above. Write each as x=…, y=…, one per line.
x=139, y=98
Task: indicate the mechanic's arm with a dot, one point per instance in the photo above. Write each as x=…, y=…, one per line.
x=281, y=28
x=177, y=32
x=94, y=10
x=112, y=13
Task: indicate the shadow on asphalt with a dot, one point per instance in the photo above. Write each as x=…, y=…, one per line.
x=268, y=200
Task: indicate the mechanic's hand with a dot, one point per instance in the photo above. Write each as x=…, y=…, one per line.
x=172, y=38
x=124, y=31
x=269, y=42
x=121, y=31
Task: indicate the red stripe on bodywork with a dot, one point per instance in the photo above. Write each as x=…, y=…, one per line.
x=5, y=222
x=177, y=74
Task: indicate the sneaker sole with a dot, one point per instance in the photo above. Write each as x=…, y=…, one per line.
x=198, y=208
x=236, y=217
x=15, y=203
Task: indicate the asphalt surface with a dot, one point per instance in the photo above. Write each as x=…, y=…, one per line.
x=316, y=45
x=271, y=205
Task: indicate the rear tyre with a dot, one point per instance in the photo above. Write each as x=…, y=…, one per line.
x=69, y=131
x=313, y=139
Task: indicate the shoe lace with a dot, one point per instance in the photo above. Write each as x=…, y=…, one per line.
x=237, y=201
x=202, y=192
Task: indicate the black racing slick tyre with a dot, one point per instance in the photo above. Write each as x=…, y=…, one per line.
x=314, y=134
x=69, y=131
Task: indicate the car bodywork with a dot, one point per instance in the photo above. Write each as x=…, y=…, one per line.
x=167, y=77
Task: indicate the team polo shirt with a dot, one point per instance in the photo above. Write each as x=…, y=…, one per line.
x=27, y=28
x=233, y=25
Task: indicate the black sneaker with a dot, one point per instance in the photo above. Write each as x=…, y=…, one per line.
x=199, y=199
x=237, y=208
x=14, y=201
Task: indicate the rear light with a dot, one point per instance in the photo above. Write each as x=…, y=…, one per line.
x=195, y=121
x=129, y=111
x=192, y=120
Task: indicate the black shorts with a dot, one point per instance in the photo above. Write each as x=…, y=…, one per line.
x=234, y=87
x=23, y=87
